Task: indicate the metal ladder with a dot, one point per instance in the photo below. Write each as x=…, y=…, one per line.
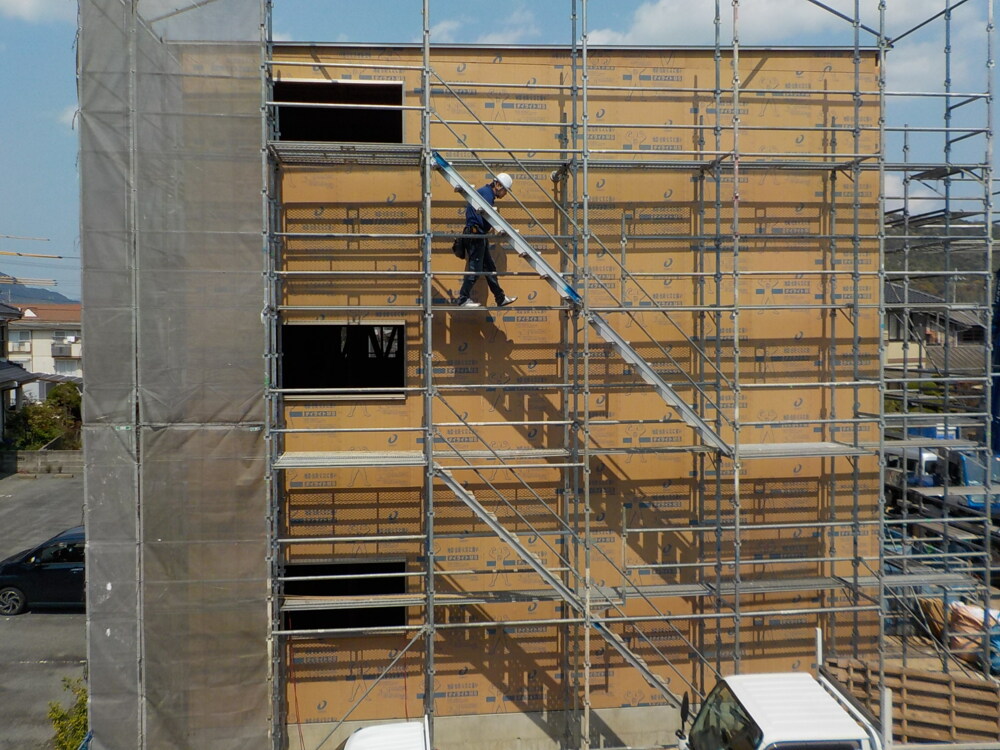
x=564, y=592
x=524, y=249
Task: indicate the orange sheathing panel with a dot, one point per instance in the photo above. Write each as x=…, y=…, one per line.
x=798, y=88
x=493, y=349
x=515, y=668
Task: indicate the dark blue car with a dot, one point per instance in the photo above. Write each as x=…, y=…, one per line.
x=50, y=574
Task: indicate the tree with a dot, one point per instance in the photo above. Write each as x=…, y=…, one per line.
x=35, y=425
x=70, y=723
x=66, y=398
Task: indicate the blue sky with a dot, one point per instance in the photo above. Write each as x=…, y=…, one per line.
x=38, y=88
x=38, y=156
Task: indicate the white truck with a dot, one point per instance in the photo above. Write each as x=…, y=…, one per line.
x=784, y=711
x=399, y=735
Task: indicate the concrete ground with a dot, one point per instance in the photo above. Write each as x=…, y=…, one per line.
x=37, y=649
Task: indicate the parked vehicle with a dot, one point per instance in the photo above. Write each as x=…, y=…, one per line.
x=775, y=711
x=398, y=735
x=909, y=467
x=50, y=574
x=912, y=467
x=966, y=470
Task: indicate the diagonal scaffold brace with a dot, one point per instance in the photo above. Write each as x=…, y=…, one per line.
x=604, y=329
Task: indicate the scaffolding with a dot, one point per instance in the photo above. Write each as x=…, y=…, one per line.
x=878, y=561
x=670, y=459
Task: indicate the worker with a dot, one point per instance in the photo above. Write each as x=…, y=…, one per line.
x=479, y=262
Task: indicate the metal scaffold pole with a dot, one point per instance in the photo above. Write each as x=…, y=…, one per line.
x=427, y=355
x=856, y=338
x=271, y=213
x=578, y=730
x=737, y=427
x=585, y=497
x=883, y=44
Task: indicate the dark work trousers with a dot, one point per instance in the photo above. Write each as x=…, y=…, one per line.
x=479, y=262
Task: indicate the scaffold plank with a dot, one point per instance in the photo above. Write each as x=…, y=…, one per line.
x=803, y=450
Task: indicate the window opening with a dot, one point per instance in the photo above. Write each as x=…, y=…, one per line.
x=343, y=356
x=69, y=366
x=19, y=341
x=331, y=124
x=66, y=337
x=360, y=581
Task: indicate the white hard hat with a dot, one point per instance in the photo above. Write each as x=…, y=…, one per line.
x=504, y=179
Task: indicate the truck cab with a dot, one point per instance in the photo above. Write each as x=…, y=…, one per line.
x=398, y=735
x=965, y=470
x=907, y=466
x=785, y=711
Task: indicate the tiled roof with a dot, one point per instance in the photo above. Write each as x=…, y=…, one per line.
x=51, y=313
x=9, y=312
x=897, y=294
x=12, y=374
x=969, y=359
x=49, y=377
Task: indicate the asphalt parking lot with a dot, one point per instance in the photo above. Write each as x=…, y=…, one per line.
x=37, y=649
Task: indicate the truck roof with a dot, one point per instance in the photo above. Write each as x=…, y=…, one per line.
x=402, y=735
x=793, y=705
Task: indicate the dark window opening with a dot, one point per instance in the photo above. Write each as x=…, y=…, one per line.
x=363, y=581
x=343, y=356
x=353, y=125
x=975, y=335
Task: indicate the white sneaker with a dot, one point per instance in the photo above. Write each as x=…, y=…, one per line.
x=470, y=303
x=507, y=301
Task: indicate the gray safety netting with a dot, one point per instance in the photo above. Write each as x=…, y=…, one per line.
x=176, y=506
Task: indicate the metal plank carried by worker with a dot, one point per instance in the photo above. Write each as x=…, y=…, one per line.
x=523, y=248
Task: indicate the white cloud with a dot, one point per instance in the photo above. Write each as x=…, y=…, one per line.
x=905, y=16
x=669, y=22
x=792, y=22
x=909, y=60
x=39, y=11
x=68, y=116
x=516, y=27
x=920, y=198
x=443, y=32
x=915, y=67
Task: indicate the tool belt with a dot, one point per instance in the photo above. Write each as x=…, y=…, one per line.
x=459, y=247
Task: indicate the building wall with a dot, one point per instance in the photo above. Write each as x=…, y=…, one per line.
x=31, y=346
x=802, y=319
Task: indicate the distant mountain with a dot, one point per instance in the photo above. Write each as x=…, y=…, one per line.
x=19, y=294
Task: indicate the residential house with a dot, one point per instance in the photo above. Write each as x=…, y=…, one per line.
x=46, y=341
x=14, y=378
x=924, y=334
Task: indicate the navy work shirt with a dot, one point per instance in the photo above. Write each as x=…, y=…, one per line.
x=472, y=216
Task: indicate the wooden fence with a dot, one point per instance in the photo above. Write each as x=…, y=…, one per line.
x=926, y=706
